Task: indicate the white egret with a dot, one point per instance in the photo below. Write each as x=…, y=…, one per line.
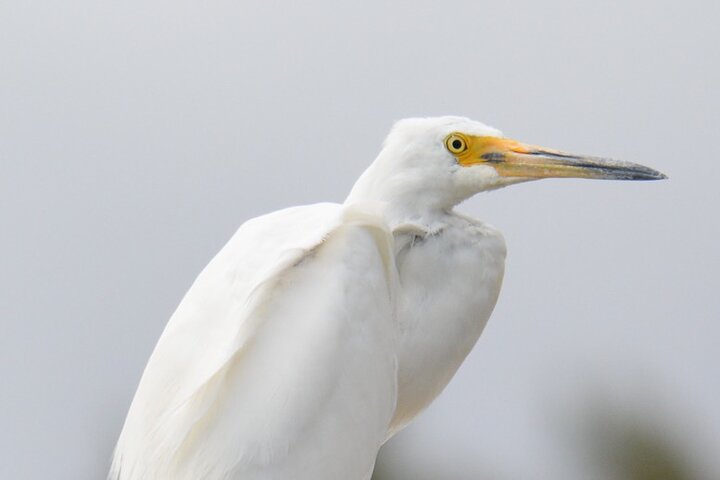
x=320, y=331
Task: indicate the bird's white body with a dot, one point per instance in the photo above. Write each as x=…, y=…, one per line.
x=283, y=356
x=318, y=332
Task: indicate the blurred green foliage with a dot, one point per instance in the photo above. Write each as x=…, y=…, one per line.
x=616, y=446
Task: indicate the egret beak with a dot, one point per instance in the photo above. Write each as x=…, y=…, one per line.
x=514, y=159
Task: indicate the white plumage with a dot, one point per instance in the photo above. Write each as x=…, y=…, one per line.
x=318, y=332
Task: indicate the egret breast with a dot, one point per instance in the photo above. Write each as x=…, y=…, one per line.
x=449, y=284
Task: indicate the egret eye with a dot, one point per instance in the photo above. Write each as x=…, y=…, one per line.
x=456, y=144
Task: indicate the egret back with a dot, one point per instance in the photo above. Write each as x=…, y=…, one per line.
x=279, y=362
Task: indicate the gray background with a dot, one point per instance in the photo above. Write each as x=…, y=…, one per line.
x=135, y=137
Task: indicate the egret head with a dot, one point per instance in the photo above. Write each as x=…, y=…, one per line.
x=439, y=162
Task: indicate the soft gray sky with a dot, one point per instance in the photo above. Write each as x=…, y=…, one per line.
x=135, y=137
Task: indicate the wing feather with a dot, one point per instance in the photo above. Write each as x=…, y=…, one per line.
x=228, y=337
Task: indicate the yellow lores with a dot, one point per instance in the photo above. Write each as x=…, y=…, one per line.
x=511, y=158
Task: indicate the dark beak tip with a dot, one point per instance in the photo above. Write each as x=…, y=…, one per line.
x=657, y=176
x=646, y=173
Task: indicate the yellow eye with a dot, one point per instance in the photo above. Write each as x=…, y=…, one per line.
x=455, y=143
